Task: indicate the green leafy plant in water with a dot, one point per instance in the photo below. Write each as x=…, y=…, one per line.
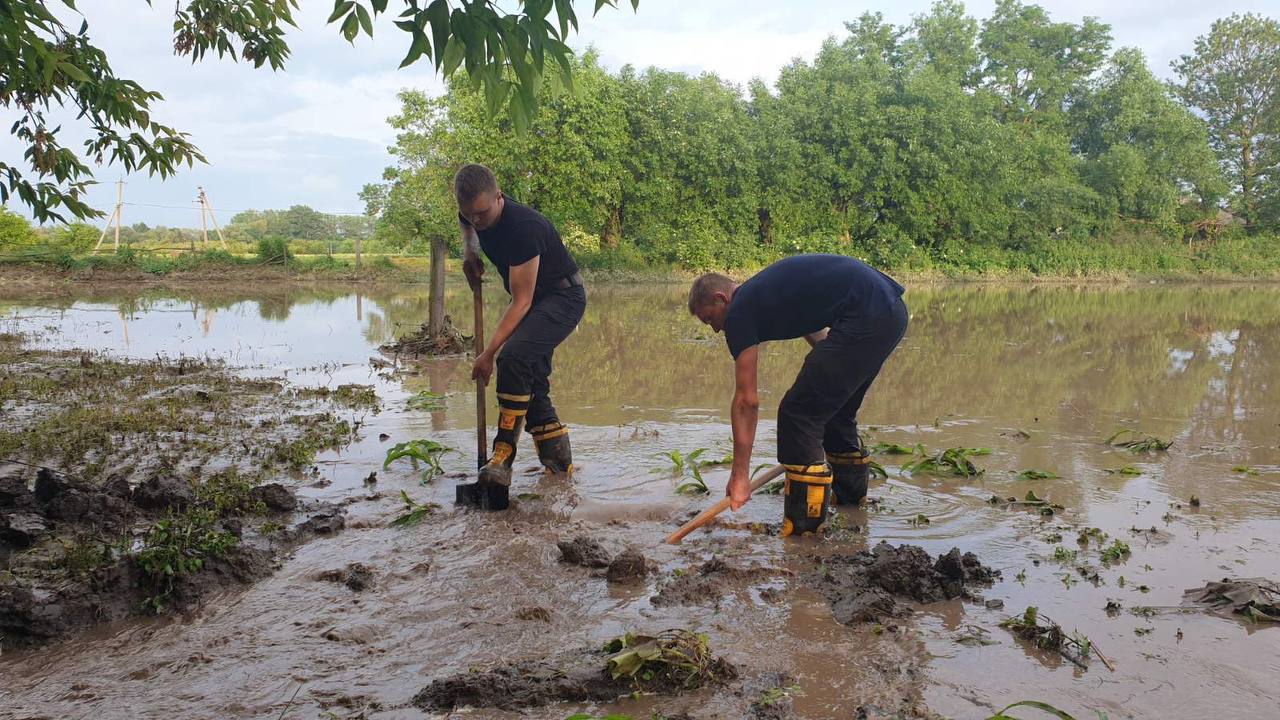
x=775, y=695
x=413, y=512
x=1126, y=470
x=919, y=520
x=954, y=461
x=884, y=448
x=1115, y=552
x=695, y=485
x=1037, y=475
x=876, y=470
x=1244, y=469
x=1063, y=555
x=1137, y=442
x=425, y=401
x=425, y=451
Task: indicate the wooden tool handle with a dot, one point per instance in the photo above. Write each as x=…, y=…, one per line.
x=482, y=443
x=706, y=515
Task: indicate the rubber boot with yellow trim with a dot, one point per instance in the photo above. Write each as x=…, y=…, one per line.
x=552, y=441
x=511, y=411
x=806, y=494
x=849, y=472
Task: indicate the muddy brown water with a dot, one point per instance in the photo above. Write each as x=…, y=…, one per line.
x=1067, y=366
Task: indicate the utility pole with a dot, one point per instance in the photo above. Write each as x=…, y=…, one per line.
x=115, y=217
x=205, y=207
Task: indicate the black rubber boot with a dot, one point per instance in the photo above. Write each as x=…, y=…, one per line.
x=552, y=441
x=850, y=473
x=806, y=496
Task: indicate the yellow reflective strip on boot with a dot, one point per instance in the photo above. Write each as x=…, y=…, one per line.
x=507, y=418
x=543, y=428
x=501, y=453
x=514, y=398
x=539, y=437
x=809, y=473
x=814, y=496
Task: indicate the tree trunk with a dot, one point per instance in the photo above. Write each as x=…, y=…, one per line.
x=435, y=316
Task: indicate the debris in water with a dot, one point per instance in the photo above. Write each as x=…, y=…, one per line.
x=1048, y=635
x=710, y=582
x=1257, y=599
x=450, y=341
x=585, y=551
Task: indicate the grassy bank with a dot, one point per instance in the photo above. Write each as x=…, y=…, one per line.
x=1234, y=258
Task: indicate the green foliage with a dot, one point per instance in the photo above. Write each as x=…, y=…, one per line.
x=676, y=659
x=425, y=451
x=1037, y=475
x=1137, y=442
x=425, y=401
x=1230, y=79
x=274, y=251
x=413, y=512
x=1043, y=707
x=179, y=545
x=691, y=466
x=15, y=231
x=954, y=461
x=1115, y=552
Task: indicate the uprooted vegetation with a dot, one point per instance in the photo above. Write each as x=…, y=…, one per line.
x=138, y=486
x=1046, y=634
x=668, y=663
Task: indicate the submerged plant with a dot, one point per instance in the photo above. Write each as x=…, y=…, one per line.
x=884, y=448
x=1137, y=442
x=413, y=512
x=1048, y=635
x=425, y=451
x=1037, y=475
x=1115, y=552
x=425, y=401
x=1045, y=707
x=954, y=461
x=1126, y=470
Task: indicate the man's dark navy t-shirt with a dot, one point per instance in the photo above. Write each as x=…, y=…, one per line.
x=803, y=294
x=521, y=234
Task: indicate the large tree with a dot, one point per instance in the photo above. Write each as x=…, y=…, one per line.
x=46, y=63
x=1233, y=78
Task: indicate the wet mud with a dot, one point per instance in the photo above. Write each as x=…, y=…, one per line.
x=1039, y=378
x=881, y=584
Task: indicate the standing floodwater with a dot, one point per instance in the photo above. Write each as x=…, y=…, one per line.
x=1039, y=376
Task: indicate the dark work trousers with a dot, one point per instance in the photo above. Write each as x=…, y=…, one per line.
x=820, y=411
x=524, y=364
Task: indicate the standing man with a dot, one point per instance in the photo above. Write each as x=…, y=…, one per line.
x=547, y=302
x=853, y=317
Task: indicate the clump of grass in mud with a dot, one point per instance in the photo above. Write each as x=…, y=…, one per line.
x=952, y=461
x=1046, y=634
x=179, y=545
x=1137, y=442
x=674, y=660
x=427, y=452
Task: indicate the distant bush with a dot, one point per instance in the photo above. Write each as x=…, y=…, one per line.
x=274, y=250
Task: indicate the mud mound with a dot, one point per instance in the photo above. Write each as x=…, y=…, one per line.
x=710, y=582
x=630, y=567
x=869, y=586
x=585, y=551
x=669, y=663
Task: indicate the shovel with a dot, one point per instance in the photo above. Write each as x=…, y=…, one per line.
x=707, y=515
x=488, y=496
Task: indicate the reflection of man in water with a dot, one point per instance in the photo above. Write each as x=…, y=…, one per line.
x=853, y=316
x=547, y=301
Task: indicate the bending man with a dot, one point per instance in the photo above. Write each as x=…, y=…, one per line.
x=547, y=302
x=853, y=317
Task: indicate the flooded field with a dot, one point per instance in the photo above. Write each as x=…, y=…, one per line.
x=1040, y=376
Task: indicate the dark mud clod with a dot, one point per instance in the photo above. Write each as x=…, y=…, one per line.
x=585, y=551
x=326, y=521
x=1257, y=599
x=275, y=496
x=161, y=492
x=628, y=568
x=870, y=586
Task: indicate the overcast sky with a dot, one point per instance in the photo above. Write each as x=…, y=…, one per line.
x=316, y=132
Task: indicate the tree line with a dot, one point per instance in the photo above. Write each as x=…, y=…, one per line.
x=944, y=136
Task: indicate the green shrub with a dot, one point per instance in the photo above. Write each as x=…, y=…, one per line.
x=274, y=250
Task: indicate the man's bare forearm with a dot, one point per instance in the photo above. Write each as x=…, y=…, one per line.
x=743, y=417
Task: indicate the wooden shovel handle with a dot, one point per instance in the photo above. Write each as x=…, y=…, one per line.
x=482, y=444
x=706, y=515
